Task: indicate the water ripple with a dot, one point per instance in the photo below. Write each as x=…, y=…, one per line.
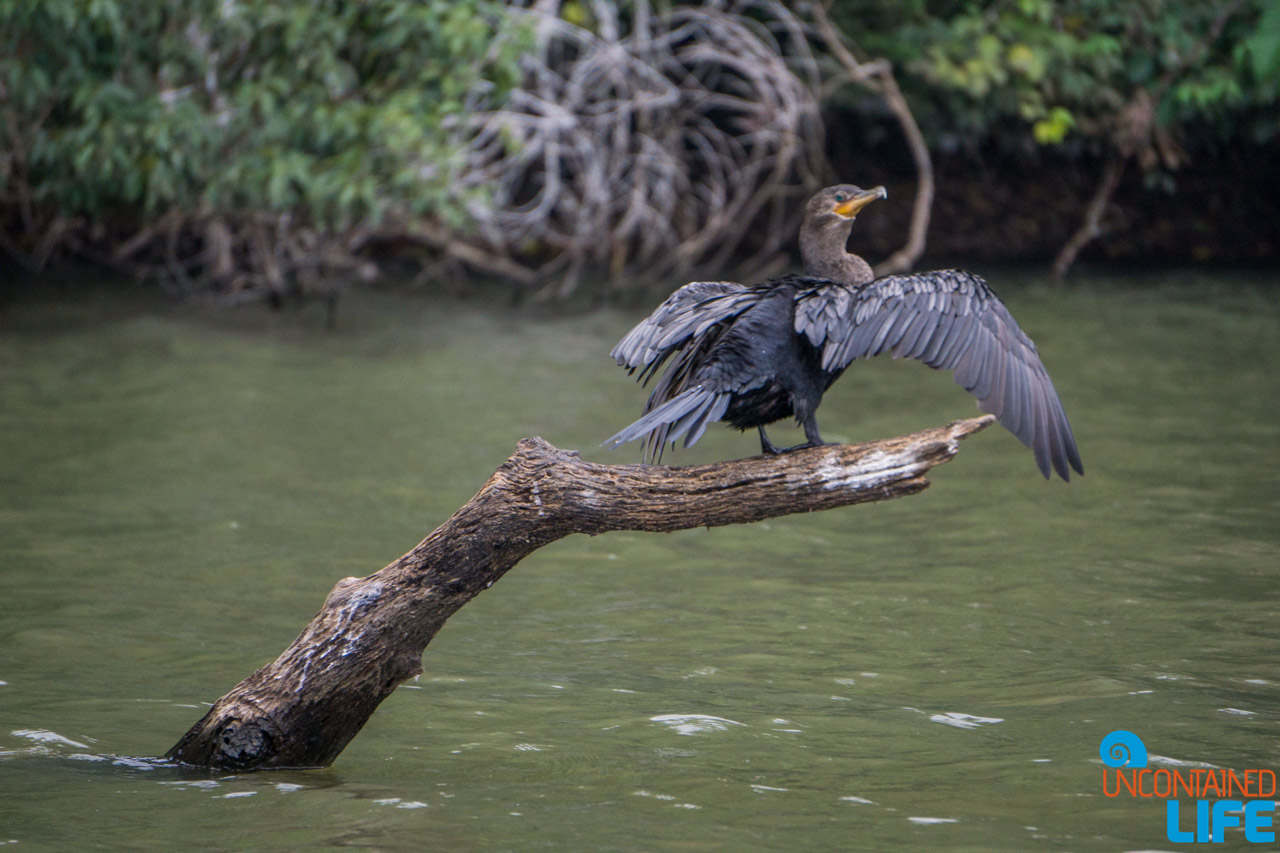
x=963, y=721
x=695, y=724
x=46, y=736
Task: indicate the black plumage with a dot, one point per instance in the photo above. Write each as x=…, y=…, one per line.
x=751, y=356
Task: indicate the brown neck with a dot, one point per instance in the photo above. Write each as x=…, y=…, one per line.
x=822, y=251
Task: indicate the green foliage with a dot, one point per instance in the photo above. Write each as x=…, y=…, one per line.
x=1063, y=70
x=336, y=112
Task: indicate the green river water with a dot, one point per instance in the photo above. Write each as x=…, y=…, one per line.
x=180, y=486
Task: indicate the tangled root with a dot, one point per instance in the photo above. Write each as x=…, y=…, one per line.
x=649, y=145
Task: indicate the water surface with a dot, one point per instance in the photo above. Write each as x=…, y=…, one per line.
x=181, y=487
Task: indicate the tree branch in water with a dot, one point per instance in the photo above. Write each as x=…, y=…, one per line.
x=303, y=709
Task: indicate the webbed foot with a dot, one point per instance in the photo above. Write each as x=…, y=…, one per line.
x=768, y=448
x=804, y=446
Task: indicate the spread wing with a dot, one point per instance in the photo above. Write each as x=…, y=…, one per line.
x=683, y=329
x=688, y=313
x=949, y=319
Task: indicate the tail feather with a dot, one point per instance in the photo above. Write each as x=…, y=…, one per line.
x=707, y=415
x=688, y=413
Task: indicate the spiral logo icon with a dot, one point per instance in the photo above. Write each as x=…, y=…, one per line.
x=1123, y=749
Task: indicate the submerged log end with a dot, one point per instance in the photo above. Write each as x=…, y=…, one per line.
x=231, y=736
x=260, y=725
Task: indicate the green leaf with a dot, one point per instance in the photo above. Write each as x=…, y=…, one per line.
x=1264, y=45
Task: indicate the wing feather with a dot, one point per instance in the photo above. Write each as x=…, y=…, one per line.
x=947, y=319
x=911, y=332
x=688, y=312
x=680, y=333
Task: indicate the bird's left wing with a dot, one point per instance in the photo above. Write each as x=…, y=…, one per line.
x=949, y=319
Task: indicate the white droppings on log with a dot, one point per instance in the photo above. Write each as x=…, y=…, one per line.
x=874, y=469
x=352, y=644
x=368, y=596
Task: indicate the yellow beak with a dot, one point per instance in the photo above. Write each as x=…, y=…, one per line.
x=851, y=207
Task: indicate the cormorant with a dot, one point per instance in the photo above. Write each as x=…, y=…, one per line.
x=754, y=355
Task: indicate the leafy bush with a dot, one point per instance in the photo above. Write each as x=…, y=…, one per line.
x=251, y=142
x=1062, y=71
x=336, y=112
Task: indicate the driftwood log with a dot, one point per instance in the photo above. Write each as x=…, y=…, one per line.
x=303, y=709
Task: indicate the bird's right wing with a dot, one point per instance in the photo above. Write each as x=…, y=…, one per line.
x=685, y=314
x=681, y=331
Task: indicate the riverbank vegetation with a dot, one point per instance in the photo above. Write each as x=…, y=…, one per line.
x=257, y=149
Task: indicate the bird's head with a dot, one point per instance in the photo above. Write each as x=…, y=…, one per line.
x=841, y=202
x=828, y=219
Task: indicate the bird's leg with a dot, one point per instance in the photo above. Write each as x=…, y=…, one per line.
x=810, y=424
x=811, y=431
x=767, y=447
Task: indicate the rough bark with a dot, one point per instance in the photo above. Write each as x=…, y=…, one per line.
x=304, y=708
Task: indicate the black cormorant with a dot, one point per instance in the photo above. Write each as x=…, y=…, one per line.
x=754, y=355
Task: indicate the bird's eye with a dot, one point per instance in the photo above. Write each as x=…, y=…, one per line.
x=839, y=196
